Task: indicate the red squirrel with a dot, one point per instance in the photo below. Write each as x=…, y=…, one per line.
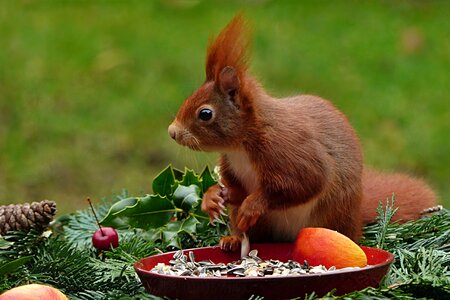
x=285, y=163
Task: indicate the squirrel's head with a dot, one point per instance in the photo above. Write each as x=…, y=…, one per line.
x=214, y=116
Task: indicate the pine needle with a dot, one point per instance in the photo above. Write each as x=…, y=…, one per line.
x=384, y=218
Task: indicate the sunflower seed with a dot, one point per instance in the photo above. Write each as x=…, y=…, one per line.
x=253, y=253
x=236, y=270
x=192, y=256
x=249, y=266
x=185, y=273
x=205, y=263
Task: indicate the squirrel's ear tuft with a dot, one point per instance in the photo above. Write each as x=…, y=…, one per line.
x=228, y=82
x=229, y=48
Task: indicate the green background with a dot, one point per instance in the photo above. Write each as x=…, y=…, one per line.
x=88, y=88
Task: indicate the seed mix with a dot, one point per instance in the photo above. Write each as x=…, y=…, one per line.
x=249, y=266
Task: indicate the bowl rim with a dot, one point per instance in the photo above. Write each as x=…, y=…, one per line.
x=344, y=271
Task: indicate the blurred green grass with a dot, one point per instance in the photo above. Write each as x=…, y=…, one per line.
x=88, y=88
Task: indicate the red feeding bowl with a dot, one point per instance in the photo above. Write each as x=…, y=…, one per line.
x=285, y=287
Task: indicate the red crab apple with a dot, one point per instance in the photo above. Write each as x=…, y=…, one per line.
x=33, y=292
x=105, y=238
x=321, y=246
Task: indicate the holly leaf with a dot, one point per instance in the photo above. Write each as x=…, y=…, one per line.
x=113, y=217
x=164, y=182
x=190, y=178
x=187, y=197
x=171, y=237
x=198, y=213
x=178, y=174
x=207, y=179
x=172, y=232
x=151, y=211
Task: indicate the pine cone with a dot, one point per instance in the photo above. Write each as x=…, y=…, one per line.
x=23, y=217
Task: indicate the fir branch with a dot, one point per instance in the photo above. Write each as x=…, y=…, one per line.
x=73, y=271
x=18, y=244
x=59, y=263
x=111, y=271
x=117, y=294
x=426, y=266
x=421, y=250
x=80, y=226
x=383, y=220
x=375, y=294
x=133, y=247
x=429, y=232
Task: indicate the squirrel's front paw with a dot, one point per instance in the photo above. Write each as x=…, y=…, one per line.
x=230, y=243
x=249, y=213
x=225, y=194
x=213, y=203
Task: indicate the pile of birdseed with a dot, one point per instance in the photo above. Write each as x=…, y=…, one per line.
x=249, y=266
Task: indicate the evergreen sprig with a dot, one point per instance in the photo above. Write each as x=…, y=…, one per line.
x=79, y=227
x=79, y=273
x=68, y=261
x=384, y=218
x=422, y=256
x=428, y=232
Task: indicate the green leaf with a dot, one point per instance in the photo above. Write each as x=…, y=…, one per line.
x=164, y=182
x=189, y=178
x=113, y=218
x=207, y=179
x=171, y=237
x=172, y=232
x=178, y=174
x=197, y=212
x=187, y=197
x=12, y=266
x=190, y=225
x=151, y=211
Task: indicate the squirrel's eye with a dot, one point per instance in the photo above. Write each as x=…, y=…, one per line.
x=205, y=114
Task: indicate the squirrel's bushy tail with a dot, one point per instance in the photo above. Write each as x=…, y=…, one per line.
x=412, y=195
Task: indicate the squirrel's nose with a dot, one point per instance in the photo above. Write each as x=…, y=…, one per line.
x=172, y=131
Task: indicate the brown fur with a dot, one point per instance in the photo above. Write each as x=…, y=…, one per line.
x=229, y=48
x=411, y=195
x=286, y=163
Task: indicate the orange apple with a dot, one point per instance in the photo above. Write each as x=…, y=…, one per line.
x=321, y=246
x=33, y=292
